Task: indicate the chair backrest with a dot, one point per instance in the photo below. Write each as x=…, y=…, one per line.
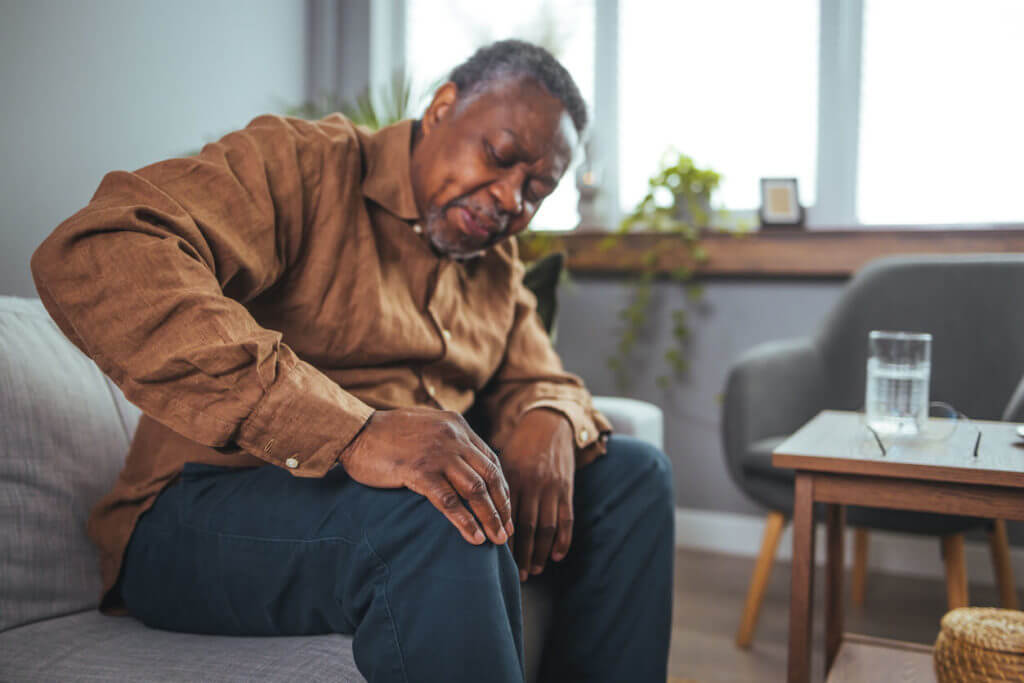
x=973, y=305
x=66, y=431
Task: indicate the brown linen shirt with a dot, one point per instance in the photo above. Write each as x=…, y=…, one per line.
x=260, y=300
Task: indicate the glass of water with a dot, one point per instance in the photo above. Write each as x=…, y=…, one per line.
x=899, y=372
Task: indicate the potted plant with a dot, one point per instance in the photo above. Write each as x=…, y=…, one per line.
x=678, y=207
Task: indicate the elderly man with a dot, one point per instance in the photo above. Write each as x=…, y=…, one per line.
x=303, y=312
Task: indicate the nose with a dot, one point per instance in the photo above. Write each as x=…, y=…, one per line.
x=508, y=192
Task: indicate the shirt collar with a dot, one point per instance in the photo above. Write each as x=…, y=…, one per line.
x=387, y=180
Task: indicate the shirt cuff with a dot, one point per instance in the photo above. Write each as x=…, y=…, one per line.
x=303, y=422
x=590, y=428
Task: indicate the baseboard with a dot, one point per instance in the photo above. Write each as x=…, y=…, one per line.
x=889, y=553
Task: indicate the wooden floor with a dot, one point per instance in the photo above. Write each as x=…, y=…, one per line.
x=709, y=594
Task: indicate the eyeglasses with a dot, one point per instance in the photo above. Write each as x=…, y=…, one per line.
x=945, y=411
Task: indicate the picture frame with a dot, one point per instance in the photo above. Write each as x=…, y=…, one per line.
x=780, y=203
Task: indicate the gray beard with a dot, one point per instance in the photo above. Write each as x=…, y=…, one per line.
x=446, y=249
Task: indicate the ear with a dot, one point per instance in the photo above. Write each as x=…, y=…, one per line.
x=441, y=107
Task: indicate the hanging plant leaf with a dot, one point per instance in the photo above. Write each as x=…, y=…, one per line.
x=678, y=203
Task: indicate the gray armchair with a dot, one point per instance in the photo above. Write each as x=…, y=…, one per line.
x=970, y=304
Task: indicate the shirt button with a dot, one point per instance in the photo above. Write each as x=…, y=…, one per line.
x=292, y=463
x=446, y=334
x=418, y=229
x=584, y=434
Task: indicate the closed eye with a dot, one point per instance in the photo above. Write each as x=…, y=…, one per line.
x=493, y=154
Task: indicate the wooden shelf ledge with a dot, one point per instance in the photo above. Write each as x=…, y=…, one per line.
x=814, y=253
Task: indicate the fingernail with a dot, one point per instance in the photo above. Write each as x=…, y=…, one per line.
x=522, y=575
x=557, y=556
x=478, y=536
x=509, y=529
x=536, y=569
x=502, y=538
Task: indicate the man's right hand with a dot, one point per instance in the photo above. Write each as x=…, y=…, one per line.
x=438, y=455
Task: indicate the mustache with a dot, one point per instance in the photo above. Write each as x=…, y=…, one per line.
x=492, y=215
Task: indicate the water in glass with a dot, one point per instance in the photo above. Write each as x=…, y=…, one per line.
x=898, y=375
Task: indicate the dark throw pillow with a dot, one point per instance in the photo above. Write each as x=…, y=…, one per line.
x=542, y=278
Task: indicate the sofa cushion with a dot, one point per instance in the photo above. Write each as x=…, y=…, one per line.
x=92, y=647
x=64, y=441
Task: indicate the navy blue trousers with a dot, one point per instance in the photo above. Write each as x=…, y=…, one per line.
x=259, y=552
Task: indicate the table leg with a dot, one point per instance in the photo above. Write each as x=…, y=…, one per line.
x=801, y=601
x=835, y=525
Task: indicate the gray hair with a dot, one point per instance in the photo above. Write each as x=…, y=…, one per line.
x=509, y=58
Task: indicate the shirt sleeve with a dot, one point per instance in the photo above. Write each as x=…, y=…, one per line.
x=531, y=376
x=149, y=280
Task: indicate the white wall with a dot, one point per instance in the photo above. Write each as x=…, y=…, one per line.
x=91, y=86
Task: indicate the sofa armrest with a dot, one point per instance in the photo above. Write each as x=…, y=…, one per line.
x=634, y=418
x=771, y=390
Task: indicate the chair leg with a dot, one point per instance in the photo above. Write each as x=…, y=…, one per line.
x=859, y=577
x=956, y=570
x=759, y=581
x=1001, y=566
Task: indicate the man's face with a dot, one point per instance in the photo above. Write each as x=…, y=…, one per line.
x=482, y=166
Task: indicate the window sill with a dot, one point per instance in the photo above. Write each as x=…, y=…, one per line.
x=814, y=253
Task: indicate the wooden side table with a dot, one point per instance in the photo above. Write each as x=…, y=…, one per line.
x=836, y=464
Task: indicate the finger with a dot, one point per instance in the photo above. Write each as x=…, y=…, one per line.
x=513, y=497
x=443, y=496
x=488, y=452
x=563, y=538
x=497, y=488
x=477, y=493
x=526, y=529
x=502, y=482
x=547, y=524
x=483, y=446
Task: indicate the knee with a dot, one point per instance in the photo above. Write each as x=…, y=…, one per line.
x=421, y=538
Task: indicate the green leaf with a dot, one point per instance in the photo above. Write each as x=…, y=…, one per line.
x=681, y=273
x=680, y=219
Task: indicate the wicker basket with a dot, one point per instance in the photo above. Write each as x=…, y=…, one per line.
x=980, y=644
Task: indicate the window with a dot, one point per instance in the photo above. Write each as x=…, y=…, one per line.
x=732, y=84
x=886, y=111
x=942, y=106
x=440, y=35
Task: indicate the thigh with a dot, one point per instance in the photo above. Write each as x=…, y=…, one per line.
x=256, y=552
x=631, y=475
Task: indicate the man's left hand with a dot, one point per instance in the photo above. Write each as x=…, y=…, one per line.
x=539, y=463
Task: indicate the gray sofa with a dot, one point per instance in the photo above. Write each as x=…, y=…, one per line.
x=66, y=429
